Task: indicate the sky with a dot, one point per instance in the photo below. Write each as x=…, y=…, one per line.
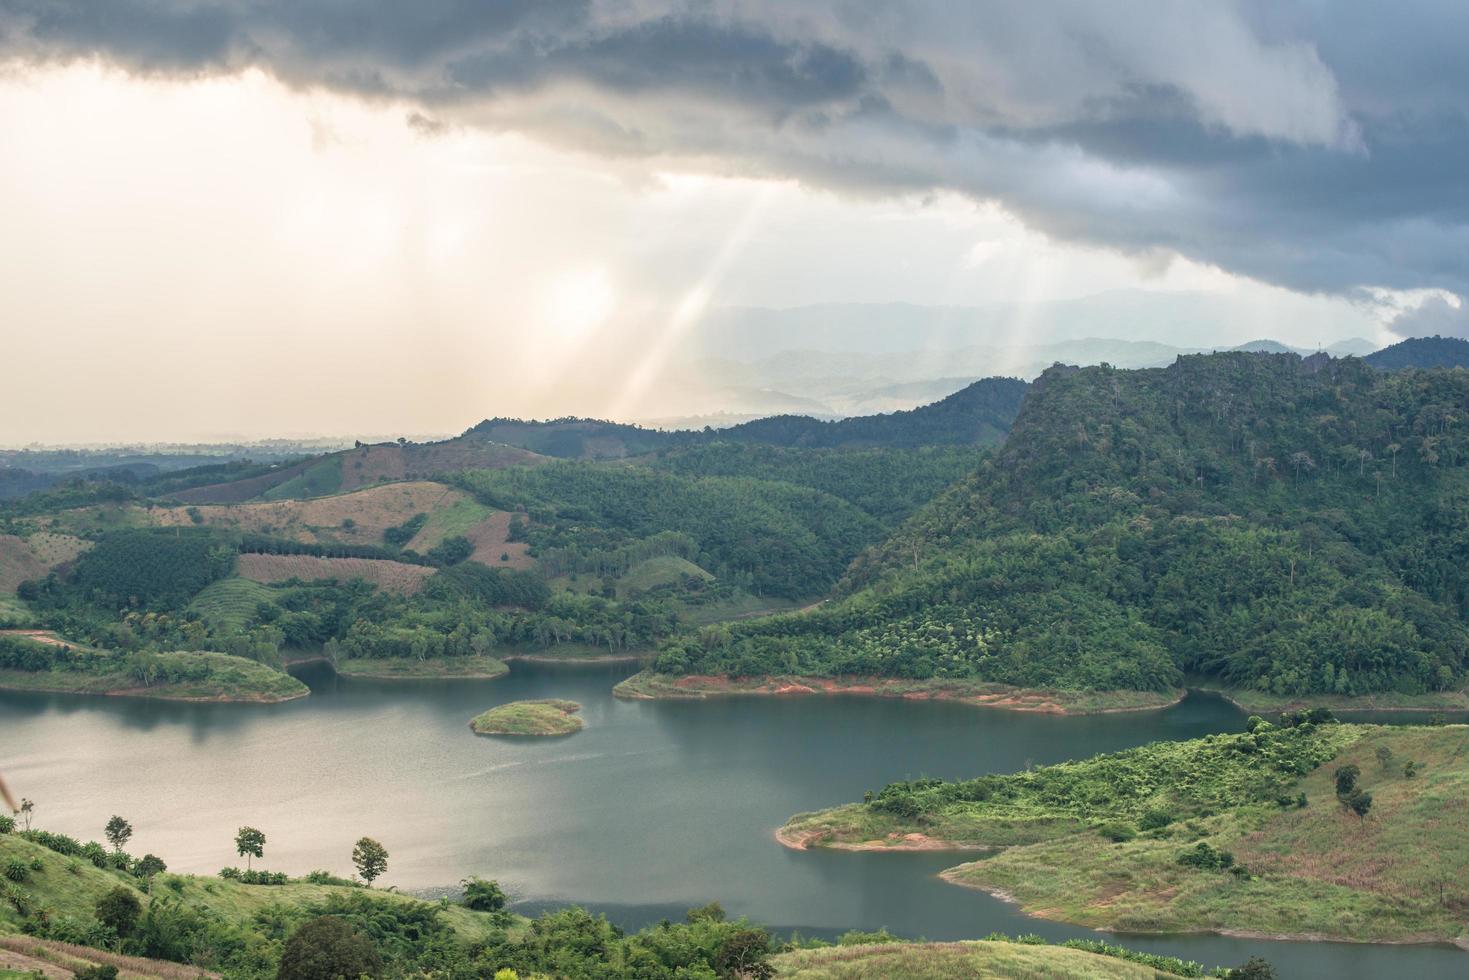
x=227, y=218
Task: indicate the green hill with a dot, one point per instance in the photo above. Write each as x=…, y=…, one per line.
x=1278, y=525
x=1422, y=352
x=1247, y=833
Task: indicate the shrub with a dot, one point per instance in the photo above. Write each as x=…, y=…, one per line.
x=1206, y=858
x=7, y=823
x=17, y=870
x=97, y=971
x=1117, y=832
x=60, y=843
x=1154, y=820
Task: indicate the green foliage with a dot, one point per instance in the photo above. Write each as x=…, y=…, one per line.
x=371, y=859
x=1206, y=858
x=1285, y=526
x=249, y=843
x=119, y=909
x=316, y=480
x=1150, y=787
x=399, y=535
x=481, y=895
x=451, y=551
x=118, y=832
x=889, y=484
x=325, y=948
x=777, y=538
x=152, y=569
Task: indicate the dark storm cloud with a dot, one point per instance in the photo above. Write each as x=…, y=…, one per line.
x=1321, y=146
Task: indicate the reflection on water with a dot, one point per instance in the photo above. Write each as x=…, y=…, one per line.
x=655, y=807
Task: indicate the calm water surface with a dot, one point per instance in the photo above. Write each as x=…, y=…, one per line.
x=653, y=808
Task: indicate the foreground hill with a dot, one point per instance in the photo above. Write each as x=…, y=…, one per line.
x=57, y=892
x=1257, y=833
x=1422, y=352
x=1279, y=525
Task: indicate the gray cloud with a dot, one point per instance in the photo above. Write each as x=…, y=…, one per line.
x=1436, y=317
x=1319, y=146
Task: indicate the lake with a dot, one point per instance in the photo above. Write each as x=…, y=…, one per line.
x=655, y=807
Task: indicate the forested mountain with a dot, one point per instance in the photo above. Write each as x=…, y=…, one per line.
x=1285, y=524
x=978, y=415
x=1422, y=352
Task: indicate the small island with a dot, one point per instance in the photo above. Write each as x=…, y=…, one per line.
x=543, y=717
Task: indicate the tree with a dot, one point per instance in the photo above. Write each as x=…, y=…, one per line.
x=1359, y=802
x=249, y=843
x=1384, y=757
x=1346, y=779
x=371, y=859
x=325, y=948
x=118, y=910
x=1410, y=769
x=149, y=865
x=118, y=832
x=745, y=954
x=481, y=895
x=27, y=807
x=1254, y=969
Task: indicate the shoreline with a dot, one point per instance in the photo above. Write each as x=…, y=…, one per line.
x=1276, y=705
x=648, y=686
x=145, y=694
x=804, y=841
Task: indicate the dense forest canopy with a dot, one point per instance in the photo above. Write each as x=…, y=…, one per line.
x=1283, y=524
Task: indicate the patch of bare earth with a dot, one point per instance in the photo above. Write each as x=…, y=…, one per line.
x=489, y=538
x=390, y=576
x=33, y=557
x=323, y=519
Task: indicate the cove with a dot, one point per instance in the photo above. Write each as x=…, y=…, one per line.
x=653, y=808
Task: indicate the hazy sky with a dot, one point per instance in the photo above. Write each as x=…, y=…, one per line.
x=224, y=217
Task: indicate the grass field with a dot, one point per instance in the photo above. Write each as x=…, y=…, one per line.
x=1074, y=846
x=317, y=480
x=390, y=576
x=15, y=613
x=541, y=717
x=981, y=960
x=656, y=572
x=211, y=677
x=650, y=685
x=385, y=668
x=231, y=602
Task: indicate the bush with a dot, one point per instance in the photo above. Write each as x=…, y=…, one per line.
x=1154, y=820
x=481, y=895
x=7, y=823
x=1206, y=858
x=17, y=870
x=60, y=843
x=97, y=971
x=325, y=948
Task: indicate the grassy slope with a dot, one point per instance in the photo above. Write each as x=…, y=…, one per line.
x=230, y=679
x=71, y=887
x=1400, y=875
x=650, y=685
x=547, y=716
x=230, y=602
x=462, y=667
x=957, y=961
x=663, y=570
